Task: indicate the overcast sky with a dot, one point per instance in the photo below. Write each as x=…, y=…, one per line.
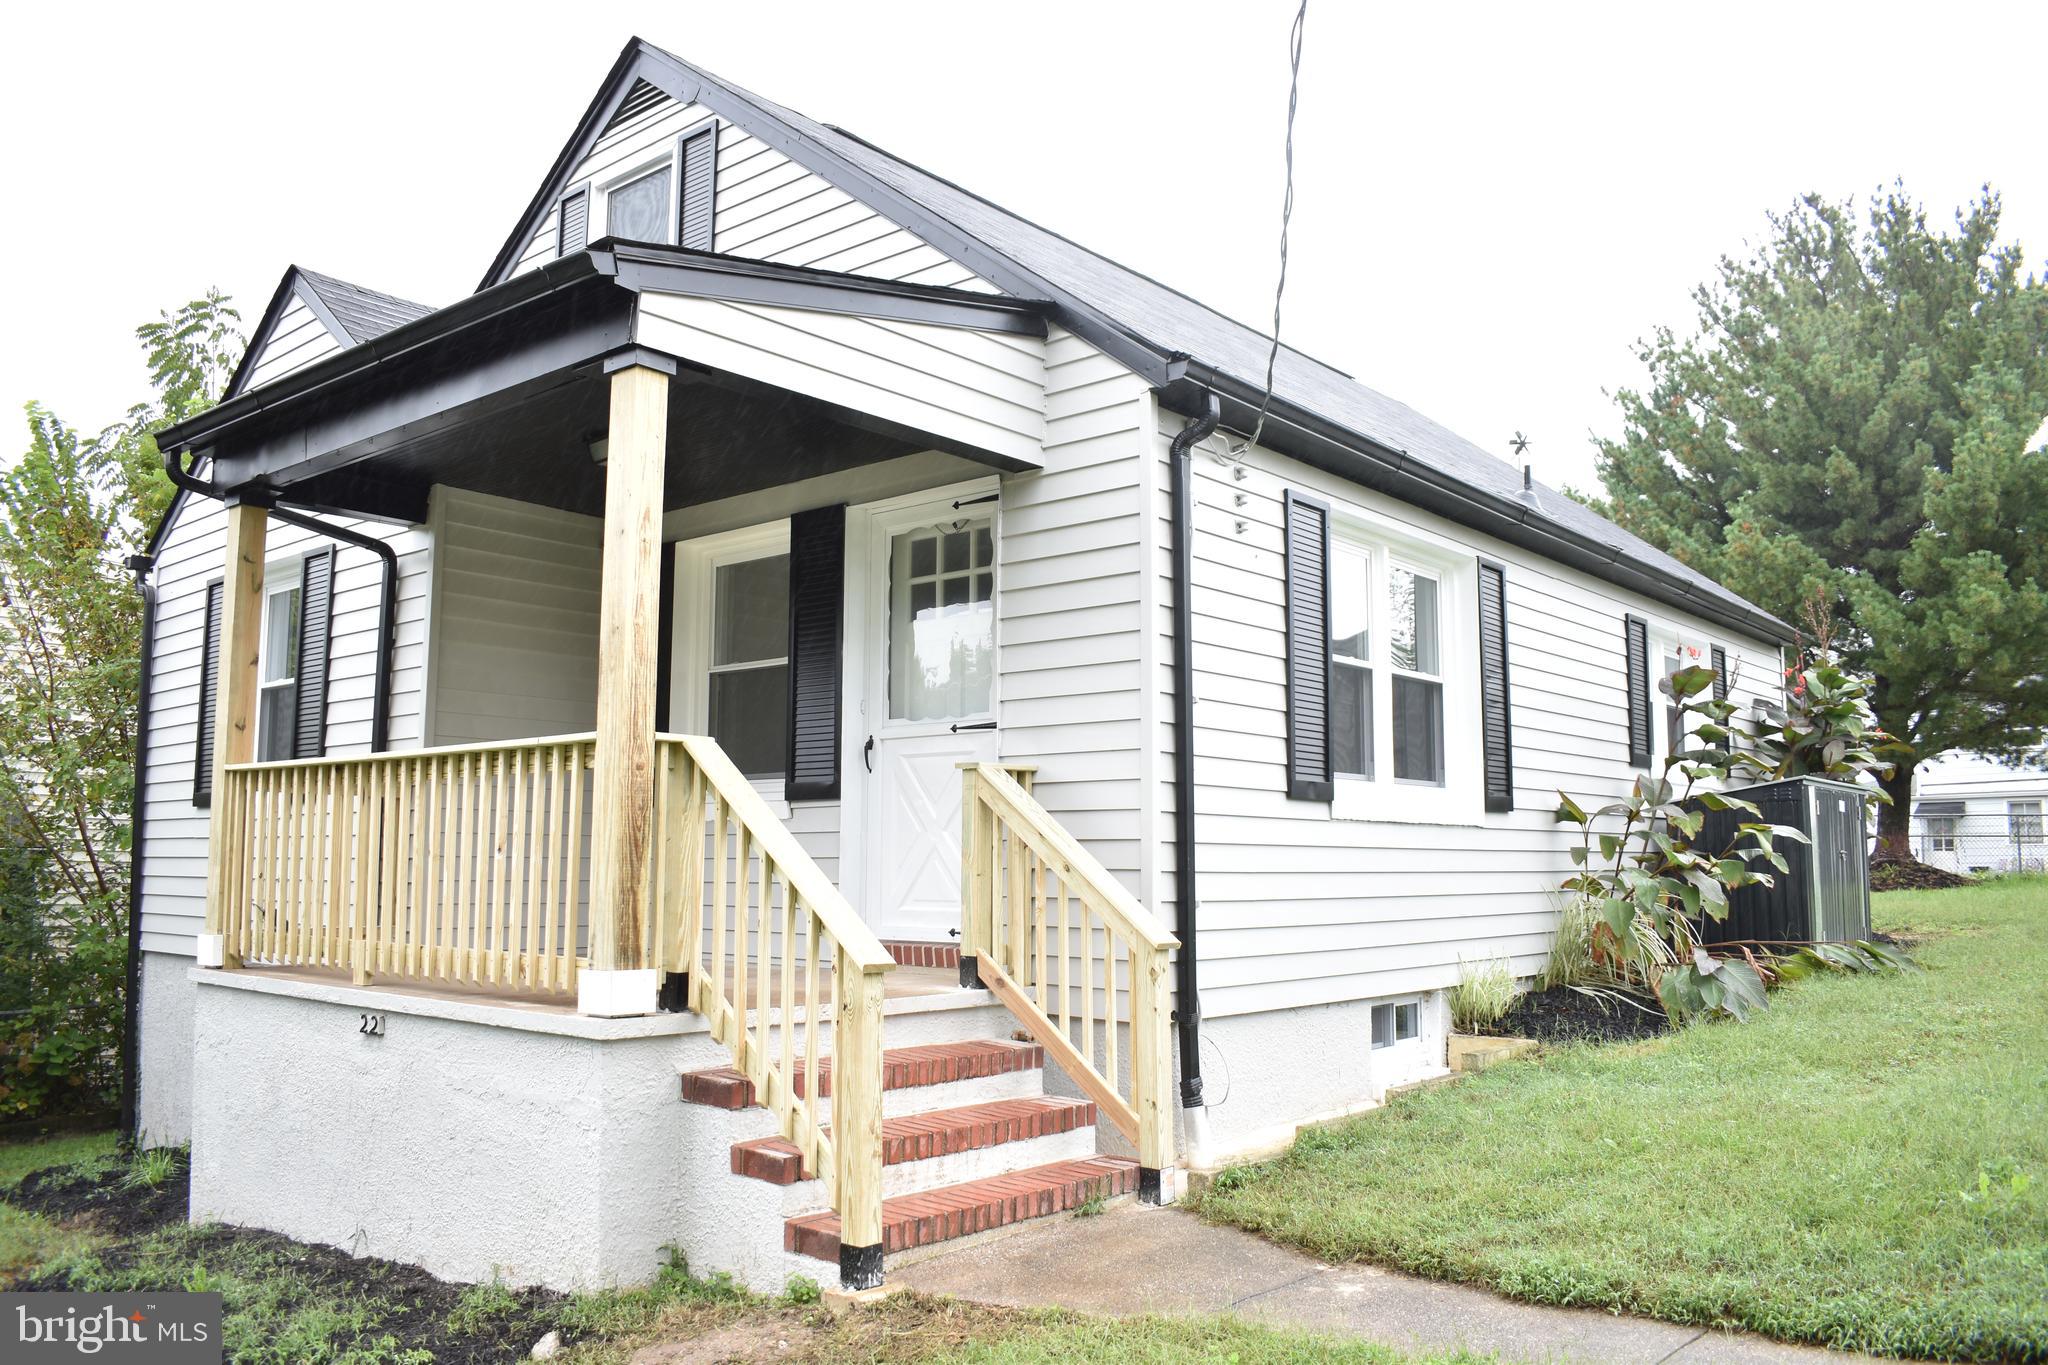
x=1492, y=202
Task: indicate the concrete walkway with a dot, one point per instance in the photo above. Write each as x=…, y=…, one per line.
x=1135, y=1260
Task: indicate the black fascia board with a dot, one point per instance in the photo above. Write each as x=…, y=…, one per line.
x=1359, y=459
x=331, y=373
x=679, y=270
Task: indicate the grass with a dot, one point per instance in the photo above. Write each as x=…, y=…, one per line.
x=292, y=1304
x=1865, y=1164
x=25, y=1239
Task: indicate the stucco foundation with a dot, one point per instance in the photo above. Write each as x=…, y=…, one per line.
x=480, y=1140
x=163, y=1112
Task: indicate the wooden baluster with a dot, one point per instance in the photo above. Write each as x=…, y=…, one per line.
x=391, y=912
x=713, y=997
x=511, y=967
x=1066, y=958
x=762, y=942
x=1109, y=1004
x=402, y=852
x=363, y=840
x=1087, y=987
x=501, y=866
x=459, y=927
x=743, y=856
x=1038, y=985
x=1018, y=960
x=810, y=1137
x=788, y=1070
x=572, y=926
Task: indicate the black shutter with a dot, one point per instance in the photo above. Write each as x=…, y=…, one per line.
x=1636, y=631
x=572, y=221
x=1308, y=649
x=1493, y=687
x=817, y=560
x=316, y=615
x=209, y=680
x=665, y=639
x=697, y=162
x=1720, y=658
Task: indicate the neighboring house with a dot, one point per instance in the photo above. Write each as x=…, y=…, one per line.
x=909, y=529
x=1971, y=814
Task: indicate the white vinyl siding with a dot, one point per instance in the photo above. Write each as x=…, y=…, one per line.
x=299, y=339
x=1072, y=605
x=1300, y=909
x=191, y=556
x=984, y=389
x=515, y=619
x=768, y=208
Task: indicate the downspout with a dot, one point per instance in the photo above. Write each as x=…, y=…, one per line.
x=387, y=605
x=138, y=818
x=1188, y=1001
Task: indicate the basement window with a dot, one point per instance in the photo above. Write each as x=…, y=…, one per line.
x=1397, y=1023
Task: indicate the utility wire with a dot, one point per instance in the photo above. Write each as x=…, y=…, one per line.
x=1286, y=212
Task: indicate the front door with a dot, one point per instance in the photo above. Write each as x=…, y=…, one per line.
x=930, y=706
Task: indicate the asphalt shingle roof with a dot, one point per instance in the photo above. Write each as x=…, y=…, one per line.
x=365, y=313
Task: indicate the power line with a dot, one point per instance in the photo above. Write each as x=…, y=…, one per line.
x=1286, y=211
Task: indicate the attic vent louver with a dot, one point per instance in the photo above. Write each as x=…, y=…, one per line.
x=573, y=225
x=641, y=98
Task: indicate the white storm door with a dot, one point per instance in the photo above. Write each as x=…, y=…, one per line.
x=931, y=707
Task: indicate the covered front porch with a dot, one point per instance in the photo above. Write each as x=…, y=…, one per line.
x=793, y=753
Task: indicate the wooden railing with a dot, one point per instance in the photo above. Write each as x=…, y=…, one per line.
x=461, y=865
x=771, y=948
x=1072, y=954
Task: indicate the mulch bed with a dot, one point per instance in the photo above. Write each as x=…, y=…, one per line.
x=414, y=1307
x=1564, y=1015
x=1907, y=874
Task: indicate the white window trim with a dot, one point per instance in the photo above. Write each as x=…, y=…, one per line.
x=697, y=564
x=1667, y=638
x=279, y=577
x=598, y=222
x=1461, y=799
x=2031, y=810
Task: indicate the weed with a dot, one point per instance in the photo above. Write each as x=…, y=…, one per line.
x=801, y=1290
x=1091, y=1207
x=149, y=1170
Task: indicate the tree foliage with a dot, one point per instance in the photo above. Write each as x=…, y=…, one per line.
x=72, y=509
x=1853, y=419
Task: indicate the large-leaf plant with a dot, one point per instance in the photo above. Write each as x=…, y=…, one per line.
x=1650, y=883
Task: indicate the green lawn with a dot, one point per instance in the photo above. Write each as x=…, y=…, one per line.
x=290, y=1304
x=1865, y=1164
x=26, y=1240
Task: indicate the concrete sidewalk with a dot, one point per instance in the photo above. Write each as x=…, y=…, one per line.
x=1135, y=1260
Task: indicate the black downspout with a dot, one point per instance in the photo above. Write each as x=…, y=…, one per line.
x=387, y=614
x=387, y=606
x=1188, y=1012
x=138, y=817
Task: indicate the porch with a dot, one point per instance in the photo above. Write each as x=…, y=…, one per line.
x=630, y=871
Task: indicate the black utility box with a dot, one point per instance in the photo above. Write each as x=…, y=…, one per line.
x=1824, y=896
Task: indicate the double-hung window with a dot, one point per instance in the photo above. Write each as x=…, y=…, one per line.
x=748, y=671
x=2024, y=819
x=640, y=209
x=277, y=670
x=1403, y=685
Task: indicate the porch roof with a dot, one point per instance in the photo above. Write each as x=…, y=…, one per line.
x=502, y=392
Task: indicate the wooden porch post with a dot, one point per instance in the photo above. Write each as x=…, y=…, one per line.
x=622, y=978
x=234, y=711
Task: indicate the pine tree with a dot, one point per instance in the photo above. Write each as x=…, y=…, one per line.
x=1853, y=420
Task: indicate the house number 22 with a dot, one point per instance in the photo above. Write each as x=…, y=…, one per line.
x=372, y=1026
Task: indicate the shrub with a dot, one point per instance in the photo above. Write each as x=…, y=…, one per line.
x=1571, y=947
x=1485, y=991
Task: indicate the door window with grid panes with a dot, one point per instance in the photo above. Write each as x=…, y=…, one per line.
x=942, y=621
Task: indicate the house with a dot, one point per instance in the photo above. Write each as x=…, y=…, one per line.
x=697, y=742
x=1972, y=814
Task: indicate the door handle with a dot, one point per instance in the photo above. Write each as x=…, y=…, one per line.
x=867, y=751
x=975, y=725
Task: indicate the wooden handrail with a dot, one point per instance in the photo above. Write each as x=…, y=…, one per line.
x=753, y=955
x=1018, y=865
x=394, y=755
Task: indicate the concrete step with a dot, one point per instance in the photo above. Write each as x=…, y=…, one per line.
x=932, y=1134
x=921, y=1219
x=903, y=1068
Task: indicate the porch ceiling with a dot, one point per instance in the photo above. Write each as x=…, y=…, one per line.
x=503, y=393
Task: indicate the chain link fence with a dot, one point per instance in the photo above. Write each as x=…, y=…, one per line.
x=1991, y=842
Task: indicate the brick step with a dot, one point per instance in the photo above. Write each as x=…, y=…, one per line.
x=902, y=1068
x=915, y=1220
x=934, y=1133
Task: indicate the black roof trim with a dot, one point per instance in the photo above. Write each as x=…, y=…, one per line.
x=1294, y=431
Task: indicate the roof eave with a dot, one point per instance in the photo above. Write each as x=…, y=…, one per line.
x=1363, y=459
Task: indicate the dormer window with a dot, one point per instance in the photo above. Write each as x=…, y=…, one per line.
x=665, y=199
x=639, y=209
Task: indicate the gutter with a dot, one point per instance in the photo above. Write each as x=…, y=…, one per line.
x=138, y=824
x=387, y=604
x=1519, y=522
x=1187, y=902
